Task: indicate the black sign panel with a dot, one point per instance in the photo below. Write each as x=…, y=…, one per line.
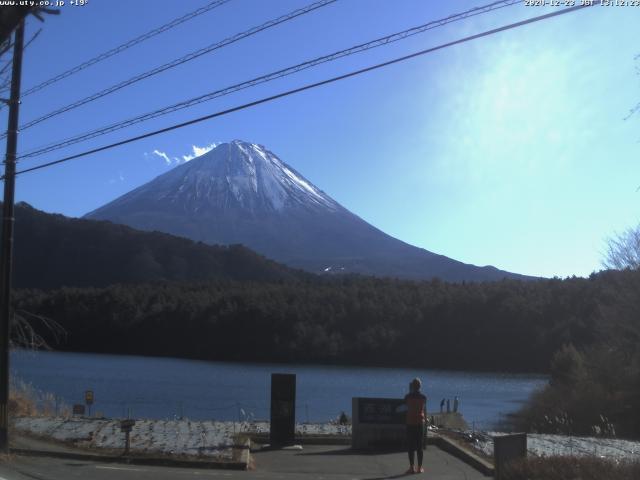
x=382, y=410
x=127, y=424
x=507, y=448
x=283, y=408
x=78, y=409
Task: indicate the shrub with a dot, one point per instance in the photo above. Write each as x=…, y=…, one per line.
x=571, y=468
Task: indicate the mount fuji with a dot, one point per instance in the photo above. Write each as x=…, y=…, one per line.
x=241, y=193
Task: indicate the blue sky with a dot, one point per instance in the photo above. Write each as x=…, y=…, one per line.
x=512, y=150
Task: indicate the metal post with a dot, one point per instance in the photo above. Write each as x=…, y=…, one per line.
x=127, y=442
x=6, y=251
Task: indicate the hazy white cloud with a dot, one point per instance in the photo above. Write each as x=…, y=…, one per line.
x=116, y=180
x=198, y=151
x=162, y=155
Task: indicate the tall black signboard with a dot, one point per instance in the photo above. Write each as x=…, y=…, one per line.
x=283, y=409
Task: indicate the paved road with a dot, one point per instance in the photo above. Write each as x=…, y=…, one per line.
x=314, y=462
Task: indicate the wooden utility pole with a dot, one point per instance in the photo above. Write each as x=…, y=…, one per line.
x=6, y=248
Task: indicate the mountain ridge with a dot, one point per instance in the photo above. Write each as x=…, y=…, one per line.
x=53, y=251
x=242, y=193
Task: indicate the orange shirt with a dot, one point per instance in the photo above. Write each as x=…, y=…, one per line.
x=416, y=404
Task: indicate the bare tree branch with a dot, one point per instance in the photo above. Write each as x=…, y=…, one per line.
x=5, y=81
x=24, y=335
x=623, y=250
x=5, y=46
x=635, y=109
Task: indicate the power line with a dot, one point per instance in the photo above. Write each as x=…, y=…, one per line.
x=125, y=46
x=179, y=61
x=310, y=86
x=269, y=77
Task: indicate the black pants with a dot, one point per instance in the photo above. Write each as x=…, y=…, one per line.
x=415, y=438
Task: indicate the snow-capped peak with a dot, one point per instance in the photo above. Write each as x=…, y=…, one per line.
x=240, y=174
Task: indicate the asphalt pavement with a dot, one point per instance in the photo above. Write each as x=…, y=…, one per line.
x=321, y=462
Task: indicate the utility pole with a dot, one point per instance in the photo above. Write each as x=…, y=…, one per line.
x=6, y=248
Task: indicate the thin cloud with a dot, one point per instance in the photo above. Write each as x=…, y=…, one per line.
x=162, y=155
x=198, y=151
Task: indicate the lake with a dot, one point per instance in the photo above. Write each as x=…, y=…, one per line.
x=152, y=387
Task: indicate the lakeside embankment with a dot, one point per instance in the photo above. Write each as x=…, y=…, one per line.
x=544, y=445
x=214, y=439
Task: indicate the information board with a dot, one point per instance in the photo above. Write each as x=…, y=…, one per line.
x=382, y=410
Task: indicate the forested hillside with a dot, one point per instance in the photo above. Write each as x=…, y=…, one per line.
x=52, y=251
x=508, y=325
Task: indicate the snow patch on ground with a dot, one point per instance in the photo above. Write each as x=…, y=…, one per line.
x=304, y=428
x=547, y=445
x=175, y=437
x=178, y=437
x=216, y=439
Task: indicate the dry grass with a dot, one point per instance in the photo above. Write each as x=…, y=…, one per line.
x=6, y=458
x=571, y=468
x=26, y=400
x=21, y=405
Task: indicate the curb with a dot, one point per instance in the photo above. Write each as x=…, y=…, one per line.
x=241, y=458
x=263, y=438
x=466, y=456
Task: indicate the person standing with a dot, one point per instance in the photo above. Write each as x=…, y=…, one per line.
x=441, y=405
x=416, y=404
x=456, y=404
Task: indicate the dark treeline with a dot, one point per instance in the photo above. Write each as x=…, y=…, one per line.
x=595, y=387
x=505, y=326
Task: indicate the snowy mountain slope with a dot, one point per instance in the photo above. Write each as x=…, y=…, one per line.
x=241, y=192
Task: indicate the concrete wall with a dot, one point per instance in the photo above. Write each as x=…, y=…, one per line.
x=375, y=435
x=452, y=420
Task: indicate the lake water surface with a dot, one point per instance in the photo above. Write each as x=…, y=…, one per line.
x=152, y=387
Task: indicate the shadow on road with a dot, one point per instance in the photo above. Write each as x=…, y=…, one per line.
x=349, y=451
x=389, y=477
